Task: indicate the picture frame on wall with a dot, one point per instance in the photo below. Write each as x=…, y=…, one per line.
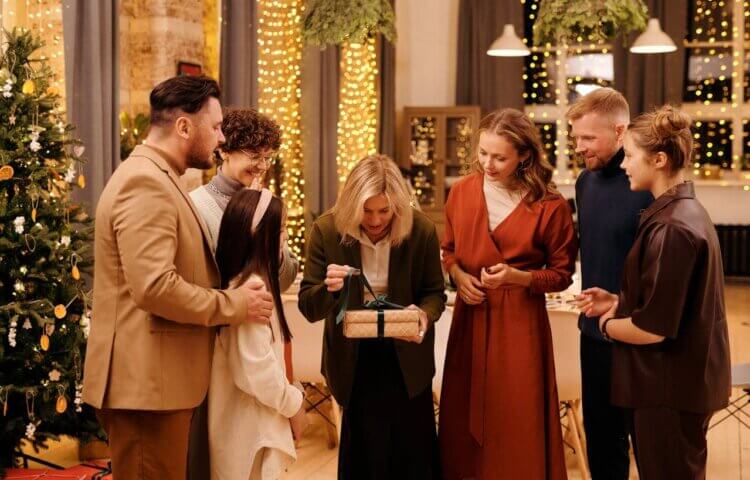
x=187, y=68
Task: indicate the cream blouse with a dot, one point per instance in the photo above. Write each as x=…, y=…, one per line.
x=500, y=202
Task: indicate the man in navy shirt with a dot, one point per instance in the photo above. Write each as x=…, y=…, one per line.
x=607, y=222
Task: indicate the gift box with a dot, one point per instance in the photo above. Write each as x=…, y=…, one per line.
x=381, y=323
x=378, y=318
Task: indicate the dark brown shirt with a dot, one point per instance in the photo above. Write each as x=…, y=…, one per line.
x=673, y=286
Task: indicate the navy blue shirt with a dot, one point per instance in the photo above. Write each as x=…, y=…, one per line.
x=608, y=214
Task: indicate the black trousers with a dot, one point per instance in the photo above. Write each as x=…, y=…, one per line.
x=669, y=444
x=385, y=435
x=606, y=425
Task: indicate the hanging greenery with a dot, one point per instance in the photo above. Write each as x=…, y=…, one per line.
x=334, y=22
x=566, y=22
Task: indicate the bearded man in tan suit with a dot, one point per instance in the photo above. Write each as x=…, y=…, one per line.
x=155, y=305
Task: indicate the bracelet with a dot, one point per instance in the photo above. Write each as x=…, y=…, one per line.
x=604, y=330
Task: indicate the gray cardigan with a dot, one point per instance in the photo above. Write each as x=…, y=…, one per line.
x=211, y=213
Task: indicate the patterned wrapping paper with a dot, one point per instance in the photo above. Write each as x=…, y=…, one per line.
x=397, y=323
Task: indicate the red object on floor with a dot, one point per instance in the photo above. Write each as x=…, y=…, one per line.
x=90, y=471
x=24, y=473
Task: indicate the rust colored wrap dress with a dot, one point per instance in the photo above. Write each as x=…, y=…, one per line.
x=499, y=416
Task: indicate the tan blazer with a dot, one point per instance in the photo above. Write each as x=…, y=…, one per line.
x=154, y=306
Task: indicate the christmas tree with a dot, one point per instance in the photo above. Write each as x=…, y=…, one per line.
x=45, y=258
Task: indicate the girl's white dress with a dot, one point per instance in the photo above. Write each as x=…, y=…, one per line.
x=250, y=403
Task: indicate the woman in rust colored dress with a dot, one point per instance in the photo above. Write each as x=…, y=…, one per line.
x=509, y=238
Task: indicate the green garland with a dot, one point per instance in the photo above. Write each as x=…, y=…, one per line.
x=566, y=22
x=333, y=22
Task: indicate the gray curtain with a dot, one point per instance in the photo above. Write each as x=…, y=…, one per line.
x=320, y=113
x=239, y=54
x=489, y=82
x=92, y=88
x=652, y=80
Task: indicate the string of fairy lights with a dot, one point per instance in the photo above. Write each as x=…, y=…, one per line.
x=279, y=84
x=358, y=105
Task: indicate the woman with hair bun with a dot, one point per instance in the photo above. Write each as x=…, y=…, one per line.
x=671, y=364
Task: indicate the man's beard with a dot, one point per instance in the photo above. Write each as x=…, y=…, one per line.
x=198, y=157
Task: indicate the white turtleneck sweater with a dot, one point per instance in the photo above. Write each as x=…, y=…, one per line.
x=500, y=200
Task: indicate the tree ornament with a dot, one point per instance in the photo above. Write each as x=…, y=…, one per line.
x=8, y=88
x=4, y=394
x=61, y=405
x=44, y=342
x=60, y=311
x=18, y=224
x=34, y=204
x=81, y=181
x=29, y=87
x=74, y=272
x=6, y=172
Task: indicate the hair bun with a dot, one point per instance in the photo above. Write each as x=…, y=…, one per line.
x=670, y=122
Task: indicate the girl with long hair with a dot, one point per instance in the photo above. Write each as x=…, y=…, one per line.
x=509, y=238
x=252, y=405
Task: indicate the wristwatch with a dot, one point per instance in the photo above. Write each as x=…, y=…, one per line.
x=604, y=330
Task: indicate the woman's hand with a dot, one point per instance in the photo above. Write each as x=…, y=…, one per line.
x=335, y=276
x=595, y=302
x=424, y=324
x=299, y=422
x=469, y=287
x=498, y=275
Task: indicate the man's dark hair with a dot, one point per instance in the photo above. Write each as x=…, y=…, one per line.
x=183, y=94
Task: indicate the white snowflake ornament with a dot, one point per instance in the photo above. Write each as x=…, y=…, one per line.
x=18, y=224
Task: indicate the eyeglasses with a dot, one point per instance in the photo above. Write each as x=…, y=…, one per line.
x=266, y=160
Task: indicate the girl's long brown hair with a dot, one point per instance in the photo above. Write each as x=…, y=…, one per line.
x=534, y=174
x=240, y=252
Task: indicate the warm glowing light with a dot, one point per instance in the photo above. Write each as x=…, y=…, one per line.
x=358, y=105
x=279, y=61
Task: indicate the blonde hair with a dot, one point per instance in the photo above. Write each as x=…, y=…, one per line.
x=373, y=175
x=606, y=102
x=666, y=129
x=534, y=174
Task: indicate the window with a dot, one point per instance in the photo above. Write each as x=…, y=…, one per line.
x=717, y=87
x=716, y=95
x=555, y=77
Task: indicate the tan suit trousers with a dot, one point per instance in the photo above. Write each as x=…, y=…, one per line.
x=147, y=445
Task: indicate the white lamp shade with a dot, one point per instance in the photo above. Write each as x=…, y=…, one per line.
x=508, y=44
x=653, y=40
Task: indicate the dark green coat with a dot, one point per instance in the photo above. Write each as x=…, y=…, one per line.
x=414, y=277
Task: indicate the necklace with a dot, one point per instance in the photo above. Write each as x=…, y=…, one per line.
x=216, y=190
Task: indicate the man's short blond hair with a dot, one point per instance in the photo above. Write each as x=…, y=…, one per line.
x=606, y=102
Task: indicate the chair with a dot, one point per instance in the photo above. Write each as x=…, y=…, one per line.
x=307, y=350
x=737, y=407
x=565, y=341
x=442, y=330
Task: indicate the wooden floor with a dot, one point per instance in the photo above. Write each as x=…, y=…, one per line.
x=728, y=443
